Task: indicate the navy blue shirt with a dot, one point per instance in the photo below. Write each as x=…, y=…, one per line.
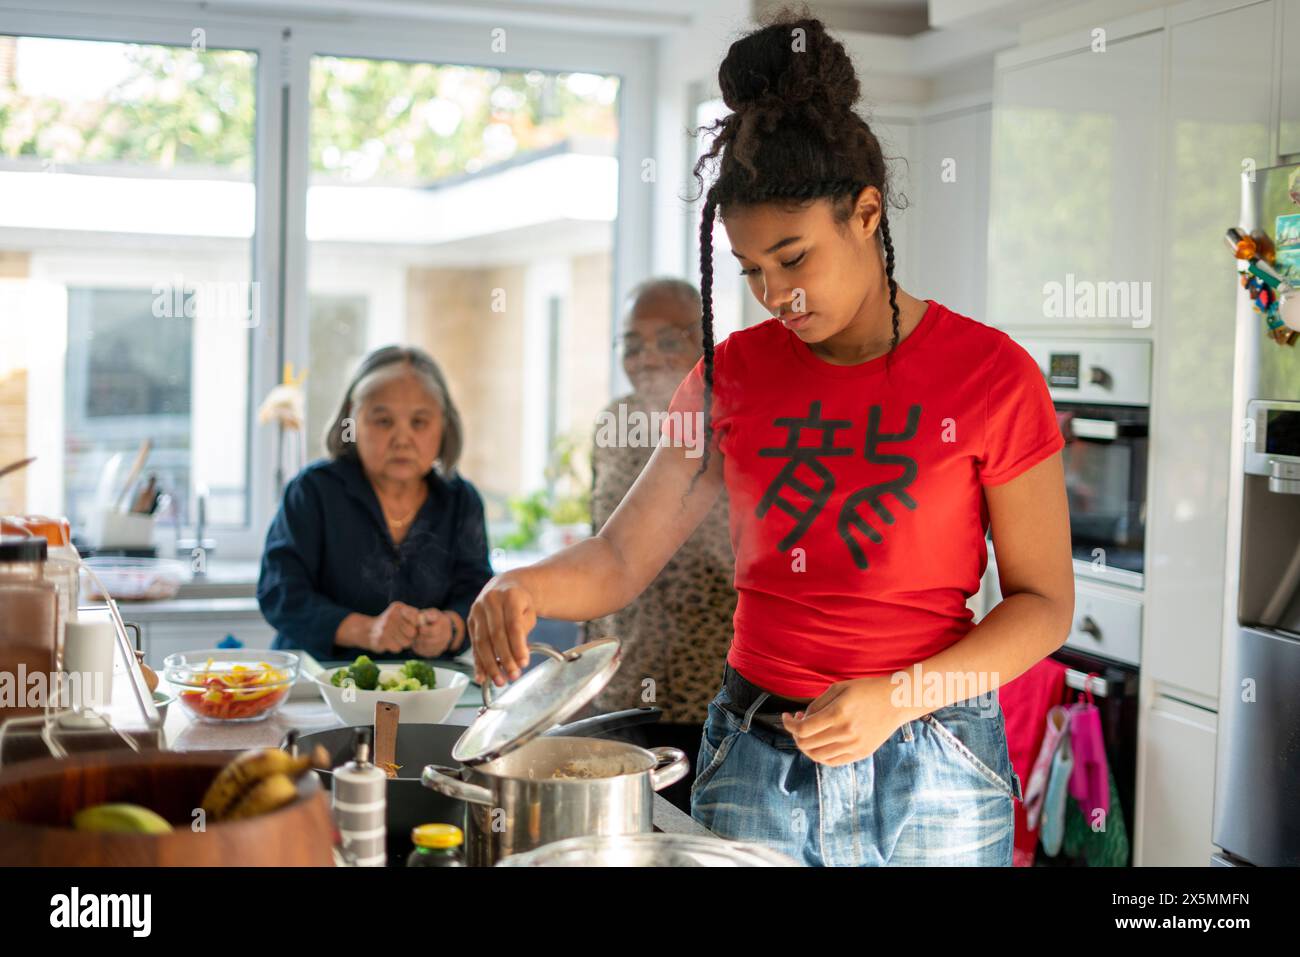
x=328, y=553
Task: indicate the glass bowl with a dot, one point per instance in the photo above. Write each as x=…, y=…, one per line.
x=231, y=685
x=133, y=579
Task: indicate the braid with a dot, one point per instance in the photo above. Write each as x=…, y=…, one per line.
x=706, y=322
x=803, y=190
x=889, y=277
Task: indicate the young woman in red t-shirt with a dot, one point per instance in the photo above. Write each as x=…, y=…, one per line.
x=867, y=440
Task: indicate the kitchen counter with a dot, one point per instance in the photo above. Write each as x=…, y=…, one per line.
x=313, y=714
x=190, y=609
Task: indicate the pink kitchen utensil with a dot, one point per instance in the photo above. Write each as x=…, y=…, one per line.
x=1089, y=781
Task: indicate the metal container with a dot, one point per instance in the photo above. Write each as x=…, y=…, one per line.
x=650, y=850
x=514, y=804
x=523, y=790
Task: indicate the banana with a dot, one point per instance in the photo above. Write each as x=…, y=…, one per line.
x=244, y=773
x=120, y=818
x=264, y=796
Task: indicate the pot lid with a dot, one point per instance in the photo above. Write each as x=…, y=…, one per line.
x=544, y=696
x=648, y=850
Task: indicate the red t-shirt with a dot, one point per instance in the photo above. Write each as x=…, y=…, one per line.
x=857, y=512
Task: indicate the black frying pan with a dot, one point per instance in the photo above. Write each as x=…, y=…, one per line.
x=410, y=803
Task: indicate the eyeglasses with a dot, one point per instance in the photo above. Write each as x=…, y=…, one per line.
x=670, y=342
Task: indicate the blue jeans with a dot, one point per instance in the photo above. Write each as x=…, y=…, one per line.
x=938, y=792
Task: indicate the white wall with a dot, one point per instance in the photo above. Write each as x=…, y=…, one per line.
x=939, y=240
x=951, y=221
x=688, y=61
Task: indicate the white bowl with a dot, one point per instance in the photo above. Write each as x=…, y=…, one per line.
x=429, y=706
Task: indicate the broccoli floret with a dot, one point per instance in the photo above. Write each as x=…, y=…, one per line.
x=337, y=678
x=365, y=673
x=399, y=683
x=422, y=672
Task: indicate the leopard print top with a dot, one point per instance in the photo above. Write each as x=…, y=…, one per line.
x=675, y=635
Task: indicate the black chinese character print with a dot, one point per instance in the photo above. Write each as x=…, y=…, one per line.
x=810, y=457
x=874, y=494
x=818, y=494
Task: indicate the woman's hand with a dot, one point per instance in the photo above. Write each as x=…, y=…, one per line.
x=394, y=629
x=848, y=722
x=499, y=623
x=437, y=631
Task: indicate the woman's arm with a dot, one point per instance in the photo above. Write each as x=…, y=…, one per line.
x=287, y=588
x=1030, y=519
x=601, y=574
x=607, y=490
x=606, y=572
x=1031, y=531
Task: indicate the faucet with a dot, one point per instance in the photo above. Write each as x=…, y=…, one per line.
x=199, y=543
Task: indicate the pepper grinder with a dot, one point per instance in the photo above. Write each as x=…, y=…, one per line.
x=360, y=808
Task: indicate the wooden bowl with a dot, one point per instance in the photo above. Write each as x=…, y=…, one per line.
x=39, y=798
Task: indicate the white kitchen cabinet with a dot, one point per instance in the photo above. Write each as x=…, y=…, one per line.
x=1289, y=129
x=1217, y=114
x=190, y=625
x=1076, y=186
x=1175, y=791
x=950, y=216
x=164, y=638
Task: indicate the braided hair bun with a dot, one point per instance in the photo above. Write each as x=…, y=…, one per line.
x=792, y=136
x=791, y=88
x=792, y=67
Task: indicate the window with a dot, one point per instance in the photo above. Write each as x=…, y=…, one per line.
x=186, y=212
x=470, y=210
x=127, y=376
x=127, y=210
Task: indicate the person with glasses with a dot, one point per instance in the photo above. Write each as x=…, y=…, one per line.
x=676, y=634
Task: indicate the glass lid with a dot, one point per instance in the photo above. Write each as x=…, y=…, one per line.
x=542, y=697
x=648, y=850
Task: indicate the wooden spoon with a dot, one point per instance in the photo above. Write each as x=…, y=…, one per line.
x=15, y=466
x=387, y=716
x=136, y=467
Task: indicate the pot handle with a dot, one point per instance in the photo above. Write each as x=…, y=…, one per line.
x=602, y=724
x=671, y=765
x=532, y=646
x=447, y=782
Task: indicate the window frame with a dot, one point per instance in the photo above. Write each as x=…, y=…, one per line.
x=171, y=27
x=284, y=45
x=630, y=57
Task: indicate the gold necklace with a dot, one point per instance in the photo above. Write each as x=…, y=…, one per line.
x=398, y=523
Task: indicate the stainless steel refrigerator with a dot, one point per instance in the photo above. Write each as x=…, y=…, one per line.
x=1257, y=769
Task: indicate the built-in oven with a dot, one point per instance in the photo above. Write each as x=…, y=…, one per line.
x=1102, y=392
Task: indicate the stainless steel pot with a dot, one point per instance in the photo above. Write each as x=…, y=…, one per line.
x=411, y=804
x=514, y=804
x=650, y=850
x=522, y=790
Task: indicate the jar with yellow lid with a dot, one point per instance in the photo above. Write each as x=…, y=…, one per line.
x=436, y=845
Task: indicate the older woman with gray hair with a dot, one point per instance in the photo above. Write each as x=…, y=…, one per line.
x=380, y=548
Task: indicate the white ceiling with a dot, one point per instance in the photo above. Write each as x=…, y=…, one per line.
x=920, y=36
x=885, y=17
